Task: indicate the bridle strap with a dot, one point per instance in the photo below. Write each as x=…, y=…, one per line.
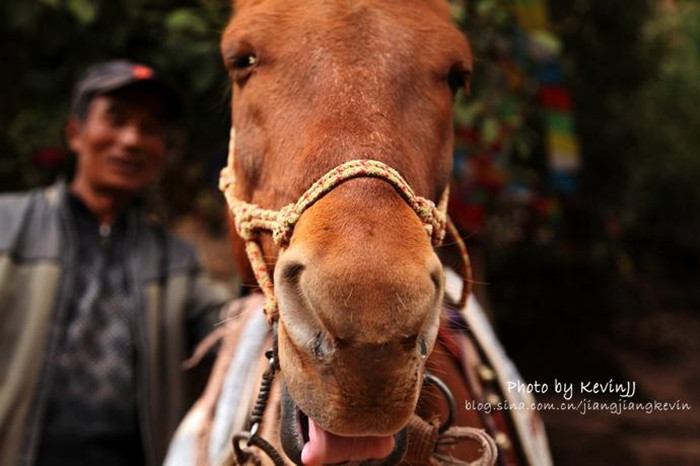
x=250, y=219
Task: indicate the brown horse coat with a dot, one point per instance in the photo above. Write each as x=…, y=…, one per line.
x=358, y=286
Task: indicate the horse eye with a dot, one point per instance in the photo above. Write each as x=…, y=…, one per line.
x=242, y=65
x=245, y=61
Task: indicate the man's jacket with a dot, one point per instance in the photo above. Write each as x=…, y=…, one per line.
x=175, y=307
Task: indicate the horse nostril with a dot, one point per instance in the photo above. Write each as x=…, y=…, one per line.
x=409, y=342
x=422, y=347
x=436, y=276
x=291, y=272
x=413, y=342
x=320, y=347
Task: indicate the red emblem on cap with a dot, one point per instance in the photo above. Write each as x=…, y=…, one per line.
x=142, y=72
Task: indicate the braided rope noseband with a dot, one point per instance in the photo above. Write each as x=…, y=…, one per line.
x=251, y=219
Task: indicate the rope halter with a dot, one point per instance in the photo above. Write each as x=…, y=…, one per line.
x=250, y=219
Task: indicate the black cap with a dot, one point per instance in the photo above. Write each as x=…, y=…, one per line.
x=111, y=76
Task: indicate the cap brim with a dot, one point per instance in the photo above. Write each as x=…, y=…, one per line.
x=170, y=98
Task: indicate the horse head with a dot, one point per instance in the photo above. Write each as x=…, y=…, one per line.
x=357, y=283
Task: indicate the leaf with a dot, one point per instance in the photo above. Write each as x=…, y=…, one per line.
x=490, y=130
x=185, y=20
x=466, y=113
x=484, y=7
x=84, y=11
x=458, y=13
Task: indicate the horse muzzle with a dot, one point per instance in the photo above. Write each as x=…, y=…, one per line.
x=296, y=436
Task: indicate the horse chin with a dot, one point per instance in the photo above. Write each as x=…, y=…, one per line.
x=349, y=394
x=304, y=441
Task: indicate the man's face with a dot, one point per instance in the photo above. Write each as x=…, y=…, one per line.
x=121, y=143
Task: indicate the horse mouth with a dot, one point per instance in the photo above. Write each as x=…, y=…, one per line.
x=304, y=442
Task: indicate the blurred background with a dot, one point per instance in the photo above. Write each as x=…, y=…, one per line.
x=576, y=181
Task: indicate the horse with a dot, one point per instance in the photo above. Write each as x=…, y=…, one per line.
x=337, y=182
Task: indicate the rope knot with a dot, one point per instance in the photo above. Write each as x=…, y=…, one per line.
x=433, y=219
x=226, y=178
x=244, y=220
x=270, y=309
x=426, y=445
x=287, y=217
x=439, y=227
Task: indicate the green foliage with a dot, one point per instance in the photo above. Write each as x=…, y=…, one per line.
x=634, y=70
x=662, y=199
x=502, y=175
x=84, y=11
x=48, y=43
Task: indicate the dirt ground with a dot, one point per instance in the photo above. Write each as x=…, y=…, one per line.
x=637, y=437
x=658, y=351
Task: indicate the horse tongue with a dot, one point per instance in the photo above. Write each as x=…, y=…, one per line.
x=324, y=447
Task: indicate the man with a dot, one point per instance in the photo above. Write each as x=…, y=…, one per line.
x=98, y=307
